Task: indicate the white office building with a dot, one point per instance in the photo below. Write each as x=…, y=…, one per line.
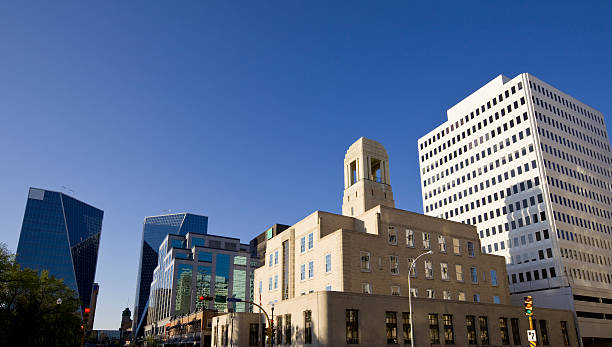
x=530, y=166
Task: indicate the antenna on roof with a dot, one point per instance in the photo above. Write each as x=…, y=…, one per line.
x=67, y=190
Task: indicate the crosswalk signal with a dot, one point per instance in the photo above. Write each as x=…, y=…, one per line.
x=528, y=306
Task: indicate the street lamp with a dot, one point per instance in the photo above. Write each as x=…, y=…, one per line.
x=410, y=295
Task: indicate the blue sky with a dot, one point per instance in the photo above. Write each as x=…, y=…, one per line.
x=243, y=111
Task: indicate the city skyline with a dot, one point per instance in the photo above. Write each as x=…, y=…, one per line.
x=216, y=109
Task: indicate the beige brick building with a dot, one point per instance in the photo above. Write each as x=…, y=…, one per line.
x=343, y=279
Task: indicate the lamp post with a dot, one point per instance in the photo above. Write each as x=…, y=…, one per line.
x=410, y=295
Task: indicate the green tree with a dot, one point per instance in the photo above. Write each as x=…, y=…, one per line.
x=29, y=313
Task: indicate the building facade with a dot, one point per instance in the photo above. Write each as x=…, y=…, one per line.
x=61, y=234
x=530, y=167
x=196, y=265
x=258, y=244
x=93, y=303
x=154, y=231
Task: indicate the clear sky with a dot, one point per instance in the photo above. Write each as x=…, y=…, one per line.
x=243, y=111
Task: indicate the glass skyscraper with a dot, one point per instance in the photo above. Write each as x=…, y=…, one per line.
x=61, y=235
x=154, y=231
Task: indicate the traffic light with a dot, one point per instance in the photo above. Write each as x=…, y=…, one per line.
x=528, y=306
x=205, y=298
x=86, y=315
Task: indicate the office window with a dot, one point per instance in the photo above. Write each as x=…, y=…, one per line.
x=431, y=293
x=496, y=299
x=391, y=326
x=476, y=297
x=503, y=331
x=365, y=261
x=442, y=243
x=366, y=288
x=470, y=323
x=544, y=333
x=426, y=241
x=516, y=333
x=459, y=272
x=446, y=295
x=414, y=292
x=409, y=238
x=307, y=327
x=302, y=272
x=392, y=236
x=328, y=263
x=310, y=240
x=428, y=269
x=406, y=327
x=275, y=281
x=470, y=248
x=474, y=274
x=352, y=326
x=271, y=262
x=461, y=296
x=564, y=333
x=395, y=290
x=457, y=246
x=434, y=329
x=394, y=264
x=275, y=257
x=484, y=330
x=288, y=329
x=493, y=277
x=303, y=244
x=449, y=335
x=269, y=283
x=310, y=269
x=444, y=271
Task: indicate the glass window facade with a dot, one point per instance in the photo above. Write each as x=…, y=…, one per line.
x=222, y=269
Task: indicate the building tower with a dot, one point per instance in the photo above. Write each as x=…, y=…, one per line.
x=366, y=178
x=61, y=234
x=154, y=231
x=530, y=167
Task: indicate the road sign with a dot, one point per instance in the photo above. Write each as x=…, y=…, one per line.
x=234, y=300
x=531, y=335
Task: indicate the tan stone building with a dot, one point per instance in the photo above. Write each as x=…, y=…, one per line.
x=343, y=279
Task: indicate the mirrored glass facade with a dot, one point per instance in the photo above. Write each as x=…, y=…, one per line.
x=61, y=235
x=155, y=230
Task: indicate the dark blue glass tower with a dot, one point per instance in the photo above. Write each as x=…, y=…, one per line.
x=61, y=235
x=154, y=231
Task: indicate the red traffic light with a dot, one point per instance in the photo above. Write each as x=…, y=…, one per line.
x=87, y=309
x=82, y=327
x=205, y=298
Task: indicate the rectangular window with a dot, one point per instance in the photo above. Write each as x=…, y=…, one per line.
x=392, y=236
x=470, y=323
x=461, y=296
x=253, y=334
x=391, y=325
x=352, y=326
x=503, y=331
x=449, y=335
x=442, y=243
x=484, y=330
x=516, y=333
x=275, y=257
x=474, y=274
x=307, y=327
x=271, y=262
x=395, y=290
x=564, y=333
x=431, y=293
x=365, y=261
x=544, y=333
x=409, y=238
x=366, y=288
x=275, y=281
x=328, y=263
x=434, y=329
x=394, y=264
x=310, y=240
x=302, y=272
x=287, y=329
x=470, y=248
x=310, y=269
x=459, y=272
x=411, y=267
x=406, y=326
x=446, y=295
x=426, y=241
x=303, y=244
x=457, y=246
x=493, y=277
x=428, y=269
x=444, y=271
x=279, y=330
x=269, y=283
x=496, y=299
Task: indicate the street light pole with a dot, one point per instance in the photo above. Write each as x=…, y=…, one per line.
x=410, y=296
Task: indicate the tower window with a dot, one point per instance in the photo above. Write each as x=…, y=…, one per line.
x=376, y=170
x=353, y=168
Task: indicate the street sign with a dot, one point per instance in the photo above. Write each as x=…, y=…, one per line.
x=234, y=300
x=531, y=335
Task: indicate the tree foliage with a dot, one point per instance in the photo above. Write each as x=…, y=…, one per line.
x=29, y=313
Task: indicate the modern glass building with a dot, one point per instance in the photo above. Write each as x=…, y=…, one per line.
x=61, y=234
x=154, y=231
x=197, y=265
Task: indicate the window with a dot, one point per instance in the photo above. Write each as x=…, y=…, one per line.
x=493, y=277
x=544, y=332
x=275, y=257
x=434, y=329
x=310, y=269
x=288, y=329
x=444, y=271
x=496, y=299
x=409, y=238
x=457, y=246
x=470, y=248
x=476, y=297
x=564, y=333
x=275, y=281
x=461, y=296
x=431, y=293
x=269, y=283
x=303, y=244
x=474, y=274
x=307, y=327
x=484, y=330
x=503, y=331
x=352, y=326
x=253, y=334
x=442, y=243
x=392, y=236
x=302, y=272
x=470, y=323
x=411, y=267
x=365, y=261
x=279, y=330
x=428, y=269
x=271, y=260
x=395, y=290
x=391, y=324
x=459, y=272
x=516, y=333
x=426, y=241
x=406, y=326
x=366, y=288
x=328, y=263
x=310, y=240
x=446, y=295
x=449, y=335
x=394, y=264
